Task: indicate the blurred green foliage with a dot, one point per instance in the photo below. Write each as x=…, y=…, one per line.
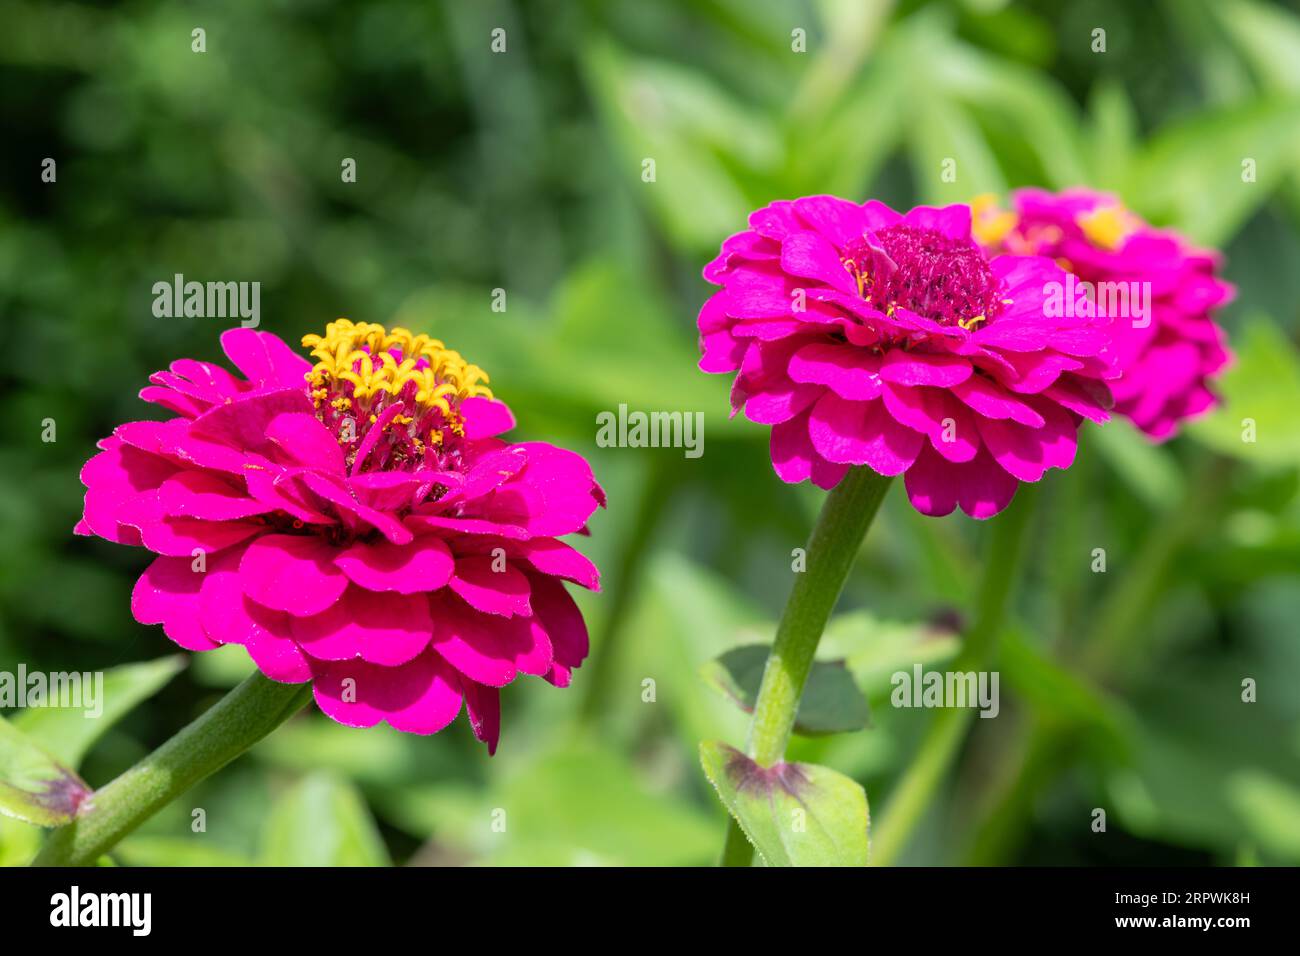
x=523, y=171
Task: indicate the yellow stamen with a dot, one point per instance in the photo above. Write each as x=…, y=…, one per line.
x=1107, y=226
x=990, y=224
x=361, y=353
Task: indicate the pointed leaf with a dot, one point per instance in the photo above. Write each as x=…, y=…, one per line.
x=831, y=702
x=795, y=814
x=68, y=733
x=322, y=821
x=33, y=785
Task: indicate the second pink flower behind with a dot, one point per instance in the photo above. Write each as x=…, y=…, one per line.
x=868, y=337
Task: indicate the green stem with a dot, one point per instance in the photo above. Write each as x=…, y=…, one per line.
x=912, y=795
x=846, y=515
x=237, y=721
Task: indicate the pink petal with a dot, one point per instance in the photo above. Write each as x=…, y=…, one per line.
x=486, y=418
x=862, y=433
x=559, y=559
x=484, y=647
x=560, y=617
x=265, y=359
x=168, y=594
x=921, y=368
x=984, y=488
x=952, y=221
x=386, y=629
x=432, y=522
x=837, y=219
x=197, y=494
x=294, y=573
x=424, y=564
x=230, y=617
x=338, y=493
x=808, y=255
x=181, y=537
x=792, y=450
x=243, y=423
x=503, y=592
x=483, y=704
x=992, y=401
x=421, y=696
x=932, y=484
x=1028, y=452
x=949, y=425
x=851, y=372
x=303, y=440
x=392, y=491
x=565, y=482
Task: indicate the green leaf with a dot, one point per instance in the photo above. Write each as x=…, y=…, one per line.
x=795, y=814
x=571, y=807
x=1270, y=809
x=175, y=851
x=1189, y=177
x=1113, y=133
x=944, y=134
x=19, y=842
x=695, y=133
x=874, y=650
x=68, y=733
x=1263, y=386
x=1269, y=40
x=33, y=785
x=322, y=821
x=831, y=702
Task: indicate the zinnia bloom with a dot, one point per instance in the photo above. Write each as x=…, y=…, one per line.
x=356, y=523
x=866, y=337
x=1167, y=355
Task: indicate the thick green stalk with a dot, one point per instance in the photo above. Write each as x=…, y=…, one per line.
x=836, y=537
x=237, y=721
x=912, y=795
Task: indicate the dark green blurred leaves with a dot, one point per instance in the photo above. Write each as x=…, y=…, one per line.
x=831, y=702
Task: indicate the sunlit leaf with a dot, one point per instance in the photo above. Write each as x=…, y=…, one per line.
x=795, y=814
x=322, y=821
x=1191, y=174
x=1261, y=393
x=33, y=785
x=69, y=732
x=142, y=850
x=874, y=650
x=572, y=806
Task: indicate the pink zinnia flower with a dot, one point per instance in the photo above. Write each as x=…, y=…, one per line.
x=866, y=337
x=356, y=523
x=1167, y=356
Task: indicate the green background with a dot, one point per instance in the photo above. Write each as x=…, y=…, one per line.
x=523, y=171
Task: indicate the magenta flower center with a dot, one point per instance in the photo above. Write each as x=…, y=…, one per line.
x=907, y=267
